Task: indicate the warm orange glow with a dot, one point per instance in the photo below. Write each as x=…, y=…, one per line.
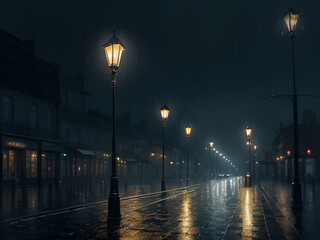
x=211, y=144
x=248, y=132
x=171, y=163
x=188, y=130
x=152, y=154
x=113, y=50
x=255, y=147
x=164, y=113
x=291, y=19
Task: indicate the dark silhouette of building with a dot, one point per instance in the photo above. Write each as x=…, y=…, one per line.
x=30, y=126
x=278, y=162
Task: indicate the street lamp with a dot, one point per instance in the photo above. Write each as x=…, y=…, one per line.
x=164, y=115
x=188, y=132
x=248, y=178
x=211, y=164
x=291, y=19
x=113, y=50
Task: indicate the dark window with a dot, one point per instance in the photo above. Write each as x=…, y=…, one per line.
x=34, y=115
x=8, y=108
x=51, y=122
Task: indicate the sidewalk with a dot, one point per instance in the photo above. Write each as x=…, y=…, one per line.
x=19, y=201
x=305, y=221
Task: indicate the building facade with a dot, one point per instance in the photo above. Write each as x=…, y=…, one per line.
x=29, y=95
x=278, y=162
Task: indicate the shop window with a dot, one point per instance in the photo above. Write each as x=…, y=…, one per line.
x=84, y=171
x=11, y=165
x=97, y=167
x=44, y=166
x=48, y=164
x=5, y=167
x=34, y=115
x=31, y=164
x=7, y=108
x=92, y=167
x=73, y=168
x=101, y=168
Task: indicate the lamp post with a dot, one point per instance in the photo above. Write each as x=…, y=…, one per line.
x=113, y=50
x=255, y=147
x=164, y=115
x=211, y=165
x=291, y=19
x=249, y=179
x=188, y=132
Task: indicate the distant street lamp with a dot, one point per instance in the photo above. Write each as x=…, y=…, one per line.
x=188, y=132
x=113, y=50
x=249, y=179
x=291, y=19
x=211, y=164
x=164, y=115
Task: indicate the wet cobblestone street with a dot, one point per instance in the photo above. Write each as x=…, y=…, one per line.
x=220, y=209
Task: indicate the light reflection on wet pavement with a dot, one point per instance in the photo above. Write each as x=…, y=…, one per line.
x=220, y=209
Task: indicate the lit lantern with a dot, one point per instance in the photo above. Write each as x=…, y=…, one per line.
x=211, y=144
x=255, y=147
x=289, y=153
x=291, y=19
x=113, y=50
x=164, y=113
x=248, y=132
x=188, y=130
x=309, y=152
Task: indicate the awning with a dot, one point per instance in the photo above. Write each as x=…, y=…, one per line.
x=86, y=152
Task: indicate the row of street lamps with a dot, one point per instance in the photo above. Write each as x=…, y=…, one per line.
x=291, y=20
x=164, y=111
x=113, y=51
x=212, y=160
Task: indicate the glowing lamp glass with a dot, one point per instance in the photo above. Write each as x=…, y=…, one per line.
x=248, y=132
x=164, y=113
x=291, y=19
x=211, y=144
x=188, y=130
x=113, y=50
x=309, y=152
x=289, y=153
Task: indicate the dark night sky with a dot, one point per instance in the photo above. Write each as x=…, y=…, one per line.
x=209, y=60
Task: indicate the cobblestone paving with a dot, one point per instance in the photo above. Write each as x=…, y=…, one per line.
x=212, y=210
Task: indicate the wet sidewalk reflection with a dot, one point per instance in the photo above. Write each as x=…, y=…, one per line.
x=220, y=209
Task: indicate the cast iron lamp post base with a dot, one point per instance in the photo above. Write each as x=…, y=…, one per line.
x=296, y=199
x=163, y=185
x=114, y=202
